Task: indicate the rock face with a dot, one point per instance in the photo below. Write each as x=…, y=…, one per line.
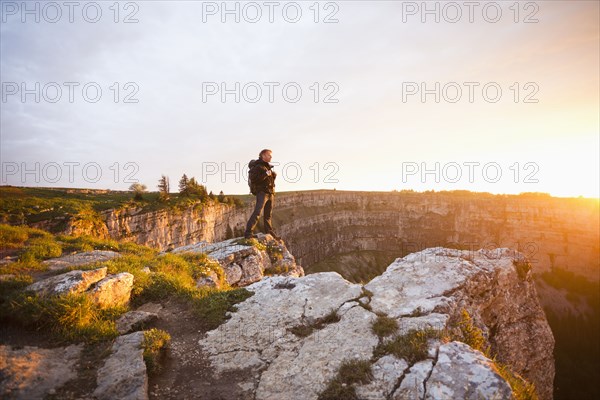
x=551, y=231
x=31, y=372
x=295, y=332
x=245, y=262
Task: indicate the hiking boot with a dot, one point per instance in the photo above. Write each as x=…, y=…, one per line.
x=250, y=236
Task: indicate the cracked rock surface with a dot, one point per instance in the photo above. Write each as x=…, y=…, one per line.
x=284, y=332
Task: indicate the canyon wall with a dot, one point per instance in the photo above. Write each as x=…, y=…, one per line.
x=550, y=231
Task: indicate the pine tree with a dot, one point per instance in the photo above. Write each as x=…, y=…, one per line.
x=183, y=185
x=163, y=188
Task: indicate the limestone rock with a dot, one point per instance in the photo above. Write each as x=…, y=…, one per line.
x=386, y=373
x=463, y=373
x=245, y=264
x=411, y=386
x=33, y=372
x=485, y=282
x=79, y=259
x=132, y=320
x=113, y=290
x=71, y=282
x=281, y=333
x=211, y=280
x=123, y=375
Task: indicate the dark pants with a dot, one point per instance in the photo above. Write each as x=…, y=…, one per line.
x=266, y=201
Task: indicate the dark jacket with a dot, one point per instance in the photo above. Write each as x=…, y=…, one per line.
x=260, y=178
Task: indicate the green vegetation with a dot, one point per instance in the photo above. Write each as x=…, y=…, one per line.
x=74, y=318
x=412, y=346
x=57, y=206
x=350, y=372
x=384, y=326
x=471, y=334
x=154, y=341
x=251, y=242
x=71, y=317
x=474, y=337
x=32, y=246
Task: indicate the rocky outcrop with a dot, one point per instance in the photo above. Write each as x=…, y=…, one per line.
x=123, y=374
x=79, y=259
x=296, y=332
x=106, y=291
x=246, y=261
x=71, y=282
x=114, y=290
x=32, y=373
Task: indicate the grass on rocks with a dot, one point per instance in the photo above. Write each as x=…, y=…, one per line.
x=350, y=372
x=411, y=346
x=384, y=326
x=74, y=317
x=472, y=335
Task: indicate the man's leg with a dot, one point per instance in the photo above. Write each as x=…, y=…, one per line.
x=261, y=198
x=268, y=210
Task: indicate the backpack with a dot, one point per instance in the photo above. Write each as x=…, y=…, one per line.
x=251, y=184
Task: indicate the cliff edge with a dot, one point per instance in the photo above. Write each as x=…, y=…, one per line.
x=439, y=323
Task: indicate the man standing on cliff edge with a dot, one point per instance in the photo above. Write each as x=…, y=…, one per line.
x=262, y=180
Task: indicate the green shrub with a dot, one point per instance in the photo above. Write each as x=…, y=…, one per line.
x=411, y=346
x=350, y=372
x=154, y=341
x=384, y=326
x=471, y=334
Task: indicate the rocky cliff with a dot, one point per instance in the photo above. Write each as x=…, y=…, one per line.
x=437, y=324
x=291, y=339
x=551, y=232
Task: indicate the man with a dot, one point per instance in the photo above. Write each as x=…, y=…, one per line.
x=262, y=175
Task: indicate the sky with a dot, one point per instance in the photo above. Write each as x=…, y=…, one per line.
x=499, y=97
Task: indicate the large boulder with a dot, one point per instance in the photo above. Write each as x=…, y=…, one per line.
x=299, y=330
x=71, y=282
x=104, y=290
x=246, y=261
x=114, y=290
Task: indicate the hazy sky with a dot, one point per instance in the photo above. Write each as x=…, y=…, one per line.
x=527, y=75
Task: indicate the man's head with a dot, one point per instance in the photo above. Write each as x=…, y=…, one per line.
x=265, y=155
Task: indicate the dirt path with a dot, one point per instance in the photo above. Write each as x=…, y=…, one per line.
x=186, y=371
